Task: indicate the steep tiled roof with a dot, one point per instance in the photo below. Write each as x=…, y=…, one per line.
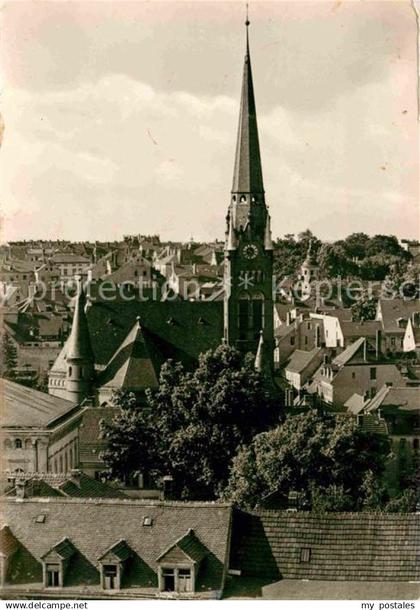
x=26, y=407
x=349, y=352
x=179, y=330
x=133, y=367
x=406, y=398
x=190, y=545
x=94, y=526
x=90, y=441
x=395, y=309
x=301, y=359
x=73, y=485
x=360, y=329
x=342, y=546
x=8, y=543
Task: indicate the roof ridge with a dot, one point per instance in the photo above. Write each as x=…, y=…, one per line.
x=124, y=501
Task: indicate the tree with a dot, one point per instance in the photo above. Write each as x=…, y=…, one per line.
x=311, y=454
x=333, y=260
x=10, y=356
x=193, y=424
x=384, y=244
x=364, y=308
x=356, y=245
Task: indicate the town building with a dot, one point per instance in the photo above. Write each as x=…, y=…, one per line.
x=39, y=432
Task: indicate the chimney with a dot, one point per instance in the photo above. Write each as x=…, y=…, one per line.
x=75, y=475
x=20, y=485
x=378, y=344
x=317, y=337
x=168, y=487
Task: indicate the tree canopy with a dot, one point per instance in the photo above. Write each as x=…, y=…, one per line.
x=327, y=459
x=192, y=426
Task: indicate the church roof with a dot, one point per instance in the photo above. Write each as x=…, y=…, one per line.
x=173, y=329
x=247, y=177
x=132, y=367
x=25, y=407
x=78, y=344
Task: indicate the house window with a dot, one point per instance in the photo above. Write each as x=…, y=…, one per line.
x=306, y=340
x=292, y=340
x=18, y=444
x=353, y=375
x=168, y=579
x=373, y=373
x=184, y=580
x=110, y=576
x=392, y=341
x=305, y=555
x=309, y=326
x=53, y=575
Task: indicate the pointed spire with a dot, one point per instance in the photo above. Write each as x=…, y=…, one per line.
x=259, y=358
x=247, y=177
x=268, y=241
x=79, y=346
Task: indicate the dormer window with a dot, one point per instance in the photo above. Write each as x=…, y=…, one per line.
x=55, y=563
x=113, y=564
x=180, y=563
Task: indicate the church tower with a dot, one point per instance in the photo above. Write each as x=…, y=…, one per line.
x=248, y=275
x=79, y=356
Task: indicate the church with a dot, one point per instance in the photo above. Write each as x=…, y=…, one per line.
x=122, y=344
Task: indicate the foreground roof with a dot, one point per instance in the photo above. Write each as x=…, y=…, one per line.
x=338, y=546
x=28, y=408
x=114, y=520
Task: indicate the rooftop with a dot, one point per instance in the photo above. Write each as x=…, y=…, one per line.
x=28, y=408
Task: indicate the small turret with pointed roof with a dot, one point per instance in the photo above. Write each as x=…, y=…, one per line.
x=79, y=354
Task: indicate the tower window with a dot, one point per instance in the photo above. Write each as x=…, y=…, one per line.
x=242, y=199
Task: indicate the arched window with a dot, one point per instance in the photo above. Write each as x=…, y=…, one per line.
x=243, y=315
x=7, y=443
x=18, y=443
x=70, y=371
x=250, y=315
x=242, y=199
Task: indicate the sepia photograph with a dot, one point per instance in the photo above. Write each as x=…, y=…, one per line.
x=209, y=303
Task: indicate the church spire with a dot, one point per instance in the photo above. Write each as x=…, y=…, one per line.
x=79, y=355
x=247, y=176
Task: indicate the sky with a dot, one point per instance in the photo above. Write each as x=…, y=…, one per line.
x=121, y=117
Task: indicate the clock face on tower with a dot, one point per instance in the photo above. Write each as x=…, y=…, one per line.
x=250, y=251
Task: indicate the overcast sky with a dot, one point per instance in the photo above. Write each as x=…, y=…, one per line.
x=121, y=117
